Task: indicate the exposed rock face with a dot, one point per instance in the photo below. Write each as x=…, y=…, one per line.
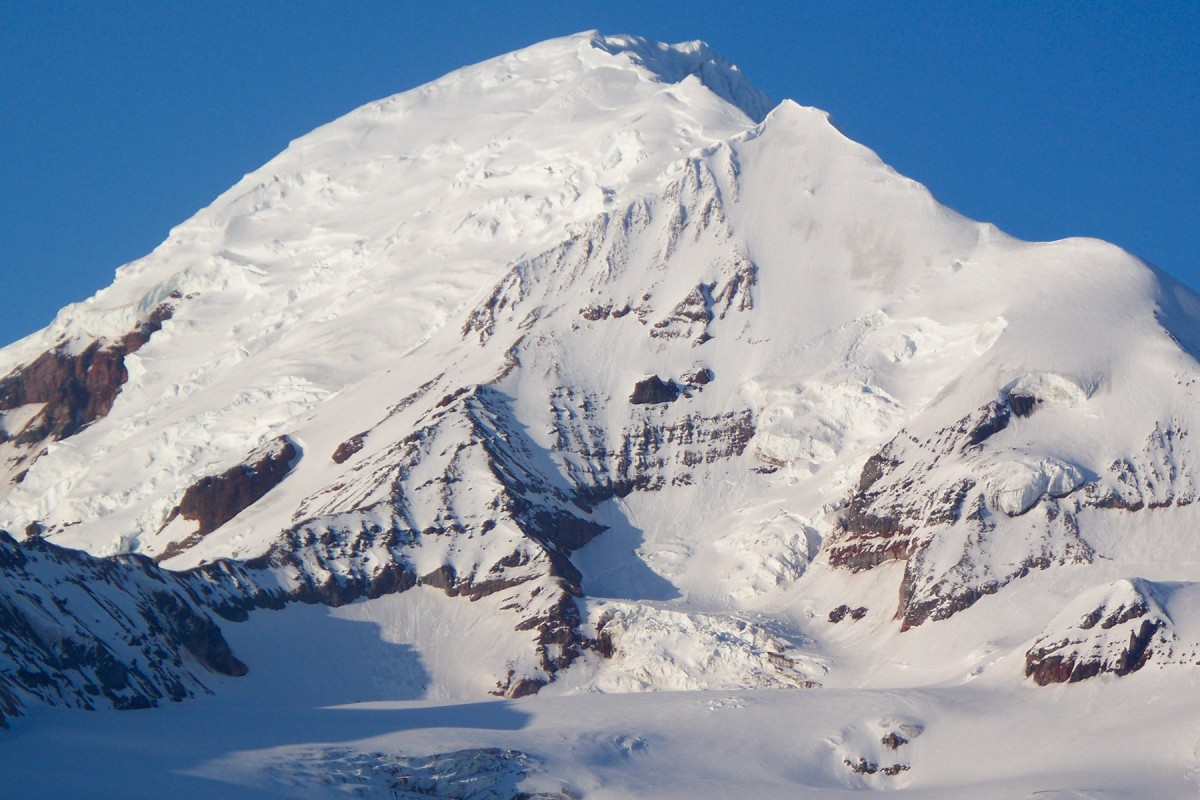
x=1022, y=403
x=76, y=388
x=649, y=454
x=86, y=632
x=215, y=500
x=913, y=493
x=348, y=448
x=1116, y=628
x=654, y=390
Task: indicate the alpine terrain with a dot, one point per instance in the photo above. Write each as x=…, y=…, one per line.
x=427, y=458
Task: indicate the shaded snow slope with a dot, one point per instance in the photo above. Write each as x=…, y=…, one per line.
x=85, y=632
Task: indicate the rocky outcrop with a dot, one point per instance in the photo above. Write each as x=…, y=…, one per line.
x=877, y=751
x=74, y=387
x=1158, y=476
x=348, y=448
x=1034, y=389
x=597, y=312
x=865, y=767
x=329, y=565
x=689, y=318
x=214, y=500
x=1116, y=628
x=841, y=612
x=1022, y=403
x=937, y=505
x=941, y=505
x=654, y=390
x=85, y=632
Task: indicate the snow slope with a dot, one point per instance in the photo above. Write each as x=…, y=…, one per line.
x=583, y=370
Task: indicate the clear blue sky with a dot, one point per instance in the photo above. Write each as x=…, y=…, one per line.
x=120, y=120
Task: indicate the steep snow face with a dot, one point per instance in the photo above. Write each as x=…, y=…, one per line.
x=583, y=321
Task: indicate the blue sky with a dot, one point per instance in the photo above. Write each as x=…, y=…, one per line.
x=118, y=121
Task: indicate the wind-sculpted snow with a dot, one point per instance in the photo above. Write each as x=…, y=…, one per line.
x=656, y=386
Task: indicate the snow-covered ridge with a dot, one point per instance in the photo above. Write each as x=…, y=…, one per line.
x=1117, y=628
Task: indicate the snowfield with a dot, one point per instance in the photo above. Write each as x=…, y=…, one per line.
x=280, y=733
x=583, y=424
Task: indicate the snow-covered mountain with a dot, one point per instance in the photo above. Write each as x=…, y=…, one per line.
x=587, y=369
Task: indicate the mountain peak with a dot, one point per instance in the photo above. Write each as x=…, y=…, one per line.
x=568, y=334
x=673, y=63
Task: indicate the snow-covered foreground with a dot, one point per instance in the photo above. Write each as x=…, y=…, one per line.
x=1074, y=742
x=326, y=712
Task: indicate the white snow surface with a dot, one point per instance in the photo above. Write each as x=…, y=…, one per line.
x=558, y=224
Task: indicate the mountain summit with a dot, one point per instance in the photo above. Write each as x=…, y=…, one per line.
x=583, y=368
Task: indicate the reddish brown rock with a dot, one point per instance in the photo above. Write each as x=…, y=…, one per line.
x=1052, y=664
x=348, y=448
x=77, y=388
x=214, y=500
x=654, y=390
